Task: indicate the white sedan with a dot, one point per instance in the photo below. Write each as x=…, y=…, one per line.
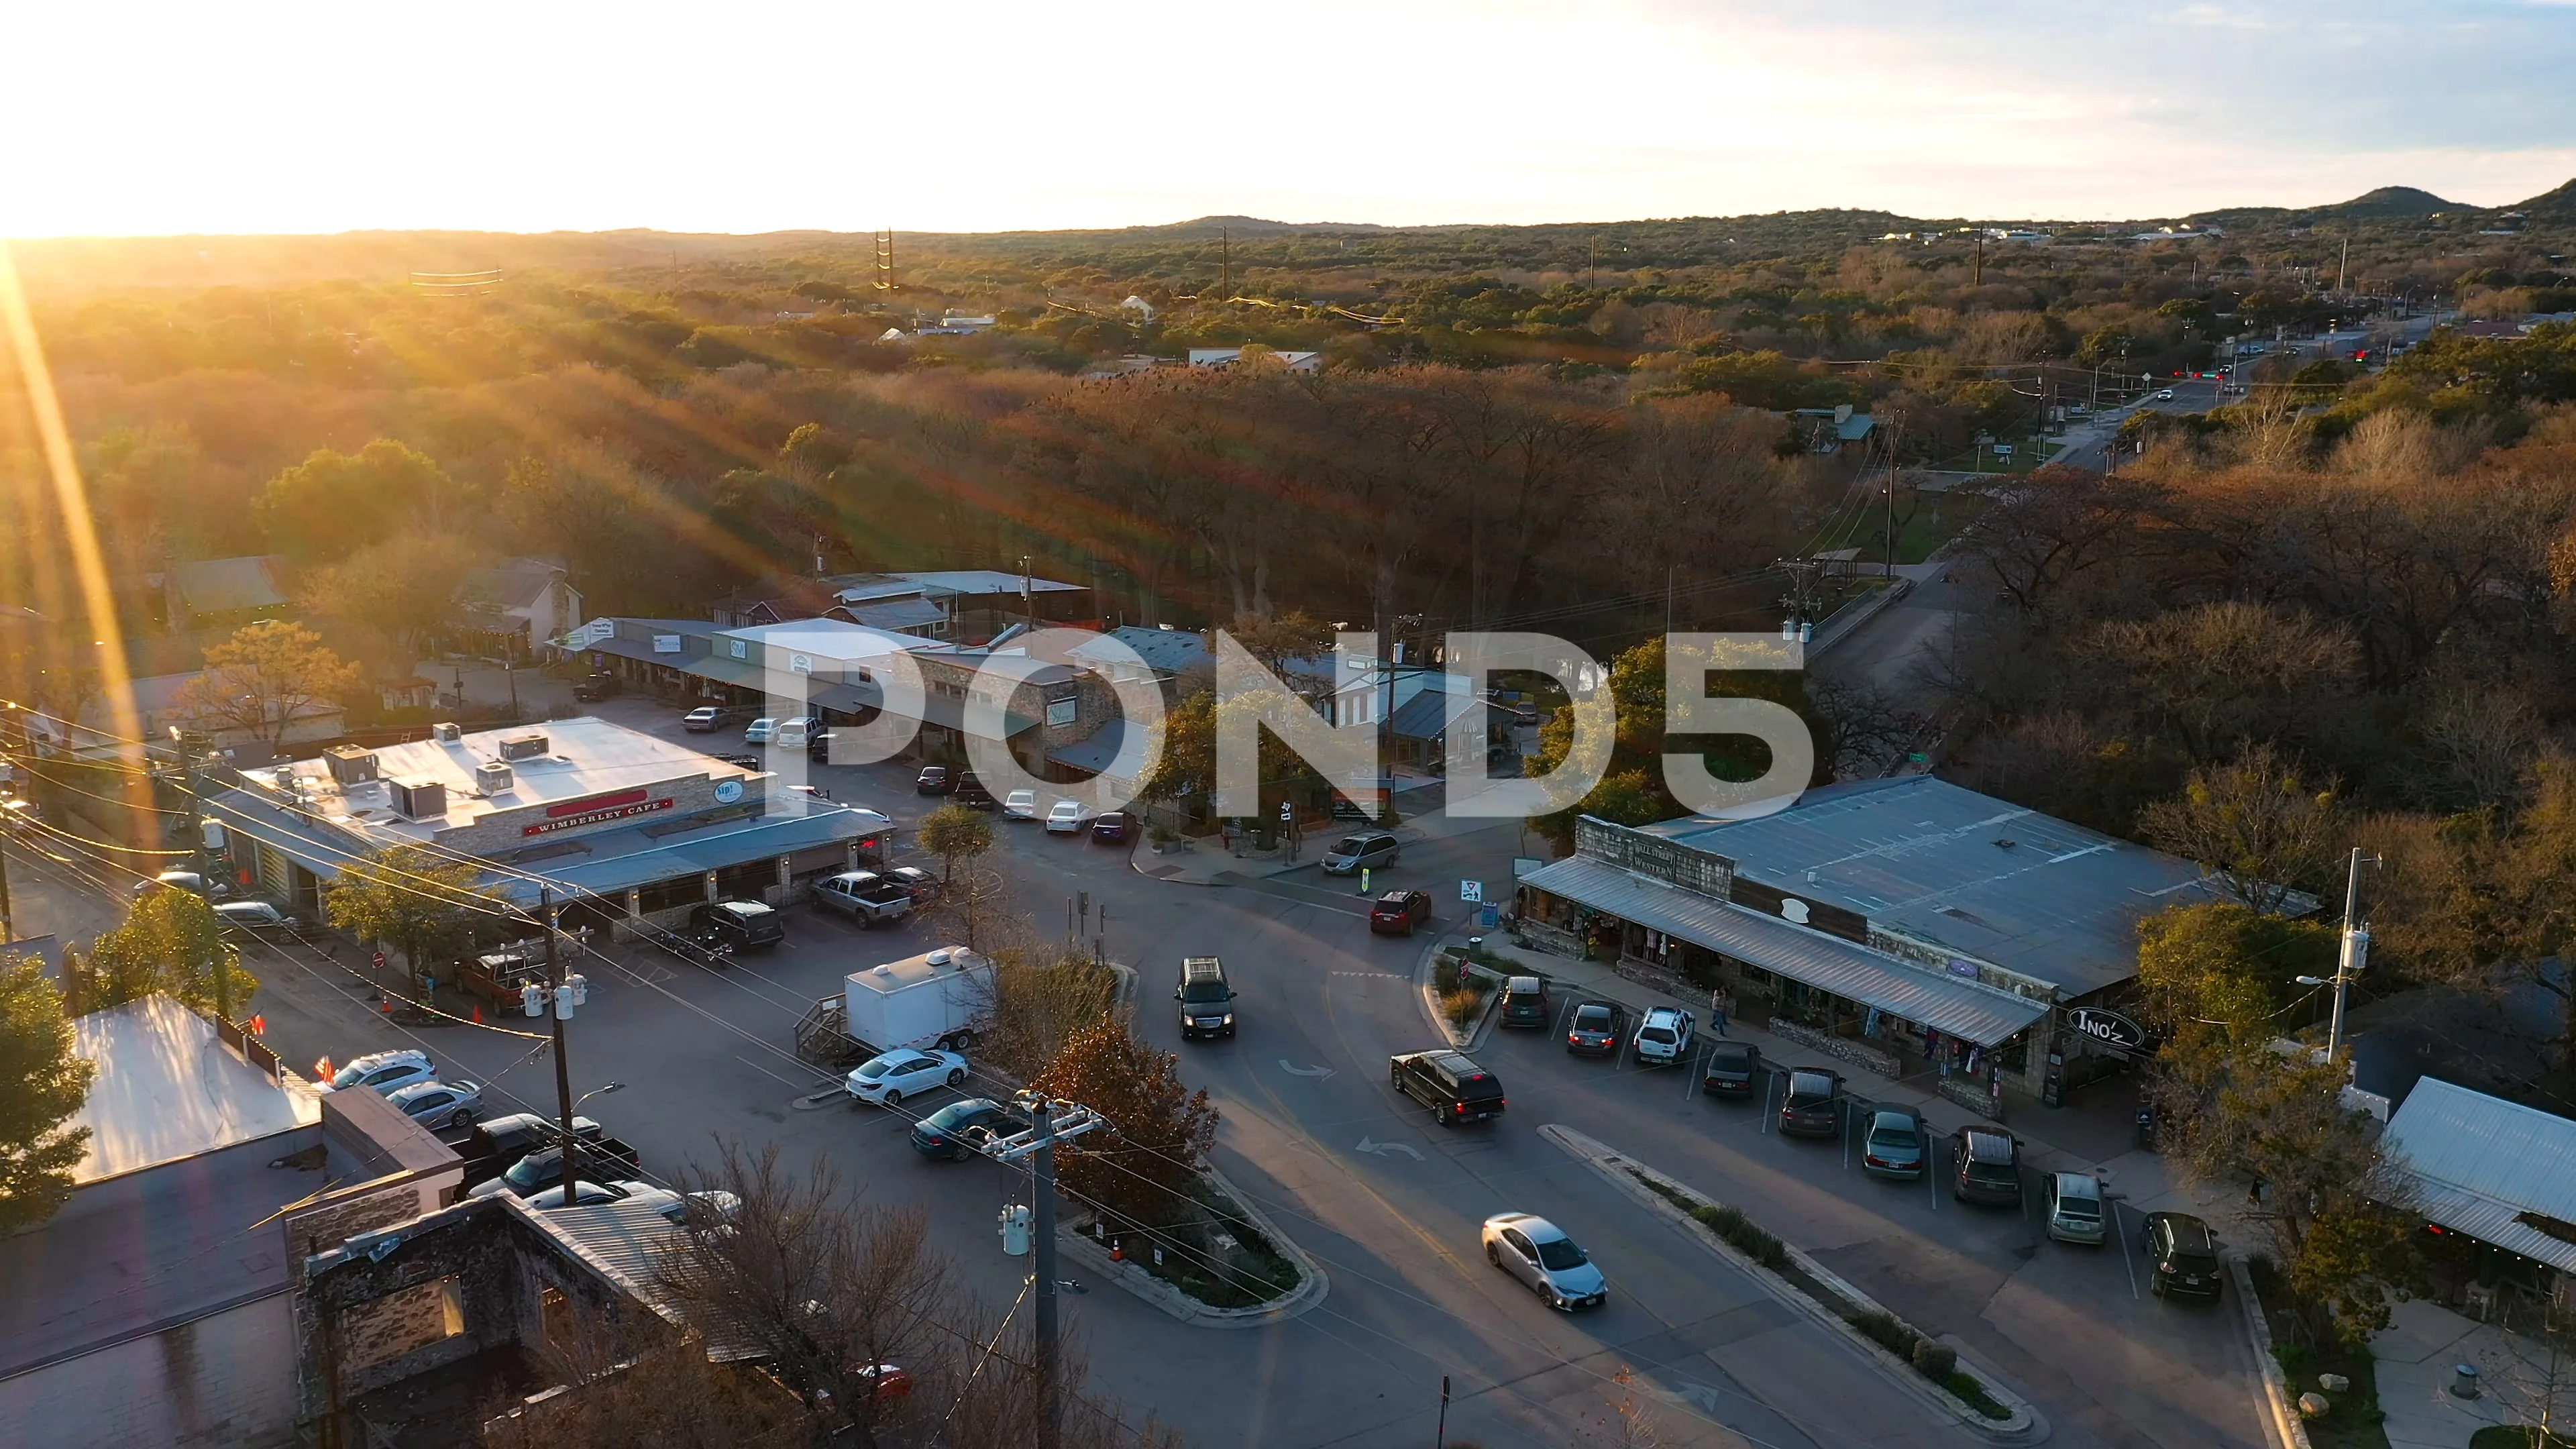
x=1020, y=805
x=1067, y=818
x=888, y=1078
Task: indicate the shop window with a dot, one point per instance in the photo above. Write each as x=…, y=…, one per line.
x=554, y=1313
x=751, y=878
x=686, y=890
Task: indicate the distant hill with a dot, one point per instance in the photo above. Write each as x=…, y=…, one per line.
x=2558, y=205
x=2393, y=201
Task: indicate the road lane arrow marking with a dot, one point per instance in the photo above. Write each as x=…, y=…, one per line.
x=1292, y=1069
x=1381, y=1149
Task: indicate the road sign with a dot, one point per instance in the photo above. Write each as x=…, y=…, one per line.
x=1471, y=891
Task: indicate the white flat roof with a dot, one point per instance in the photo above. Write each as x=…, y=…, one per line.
x=831, y=638
x=584, y=757
x=166, y=1089
x=894, y=976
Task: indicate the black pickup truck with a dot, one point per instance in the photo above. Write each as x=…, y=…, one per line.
x=603, y=1159
x=498, y=1144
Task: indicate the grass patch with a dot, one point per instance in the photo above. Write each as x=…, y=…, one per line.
x=1462, y=1004
x=1935, y=1361
x=1215, y=1254
x=2355, y=1421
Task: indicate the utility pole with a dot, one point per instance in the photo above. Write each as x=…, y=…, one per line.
x=1225, y=264
x=563, y=1069
x=1038, y=1145
x=197, y=862
x=1981, y=257
x=2355, y=956
x=2346, y=261
x=8, y=923
x=885, y=260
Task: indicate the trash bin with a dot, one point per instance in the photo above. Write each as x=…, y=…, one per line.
x=2464, y=1381
x=2147, y=1128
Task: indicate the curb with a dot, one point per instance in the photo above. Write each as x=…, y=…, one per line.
x=1311, y=1287
x=1459, y=1039
x=2026, y=1426
x=2276, y=1384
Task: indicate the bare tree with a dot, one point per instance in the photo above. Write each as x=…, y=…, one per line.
x=2252, y=823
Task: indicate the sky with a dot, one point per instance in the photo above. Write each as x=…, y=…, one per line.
x=983, y=115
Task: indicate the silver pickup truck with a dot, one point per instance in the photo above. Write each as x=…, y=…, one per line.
x=867, y=897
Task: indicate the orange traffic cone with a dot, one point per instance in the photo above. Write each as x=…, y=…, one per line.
x=478, y=1015
x=1117, y=1252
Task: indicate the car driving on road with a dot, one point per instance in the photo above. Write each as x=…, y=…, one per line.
x=1399, y=912
x=1540, y=1255
x=1453, y=1087
x=889, y=1077
x=934, y=780
x=1207, y=1000
x=1373, y=850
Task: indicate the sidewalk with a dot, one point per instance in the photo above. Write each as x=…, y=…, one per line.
x=2415, y=1358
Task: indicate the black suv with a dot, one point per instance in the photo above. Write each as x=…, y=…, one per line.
x=1815, y=1105
x=1733, y=1068
x=1525, y=1002
x=1207, y=1002
x=2181, y=1255
x=743, y=925
x=1985, y=1166
x=1454, y=1088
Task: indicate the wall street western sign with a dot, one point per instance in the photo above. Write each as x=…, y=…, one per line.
x=2107, y=1026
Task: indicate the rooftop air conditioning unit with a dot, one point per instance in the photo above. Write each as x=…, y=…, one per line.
x=419, y=799
x=446, y=734
x=350, y=765
x=492, y=778
x=523, y=747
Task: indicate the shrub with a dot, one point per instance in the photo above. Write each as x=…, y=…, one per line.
x=1745, y=1235
x=1935, y=1361
x=1883, y=1329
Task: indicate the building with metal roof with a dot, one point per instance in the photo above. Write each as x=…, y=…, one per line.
x=627, y=829
x=2496, y=1171
x=1903, y=924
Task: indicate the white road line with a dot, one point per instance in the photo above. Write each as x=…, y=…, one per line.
x=766, y=1072
x=1690, y=1072
x=2120, y=1245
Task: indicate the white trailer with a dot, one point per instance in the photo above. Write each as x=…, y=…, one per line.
x=933, y=999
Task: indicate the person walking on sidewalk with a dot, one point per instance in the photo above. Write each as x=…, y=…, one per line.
x=1720, y=1002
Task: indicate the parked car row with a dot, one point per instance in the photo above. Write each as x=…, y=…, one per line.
x=410, y=1081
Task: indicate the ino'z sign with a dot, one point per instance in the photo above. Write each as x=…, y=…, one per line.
x=2107, y=1026
x=594, y=817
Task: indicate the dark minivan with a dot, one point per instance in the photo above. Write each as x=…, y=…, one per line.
x=1985, y=1167
x=2181, y=1255
x=1733, y=1069
x=743, y=925
x=1815, y=1105
x=1454, y=1088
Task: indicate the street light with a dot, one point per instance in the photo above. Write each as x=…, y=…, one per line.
x=597, y=1092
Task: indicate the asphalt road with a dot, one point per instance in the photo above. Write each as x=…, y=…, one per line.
x=1363, y=1181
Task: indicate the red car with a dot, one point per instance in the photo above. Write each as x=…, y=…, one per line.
x=1399, y=912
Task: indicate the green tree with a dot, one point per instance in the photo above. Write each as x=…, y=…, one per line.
x=952, y=832
x=393, y=595
x=333, y=504
x=1632, y=789
x=265, y=679
x=422, y=904
x=42, y=1083
x=1182, y=761
x=1145, y=1166
x=170, y=943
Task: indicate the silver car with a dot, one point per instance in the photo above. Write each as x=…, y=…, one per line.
x=439, y=1104
x=2075, y=1209
x=1538, y=1253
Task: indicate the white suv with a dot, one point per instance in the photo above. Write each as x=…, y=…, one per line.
x=1664, y=1038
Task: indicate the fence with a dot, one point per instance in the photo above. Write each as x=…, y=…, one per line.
x=250, y=1049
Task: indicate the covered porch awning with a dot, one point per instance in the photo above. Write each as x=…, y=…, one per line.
x=1953, y=1006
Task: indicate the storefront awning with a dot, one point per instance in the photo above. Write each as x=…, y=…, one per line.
x=1950, y=1005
